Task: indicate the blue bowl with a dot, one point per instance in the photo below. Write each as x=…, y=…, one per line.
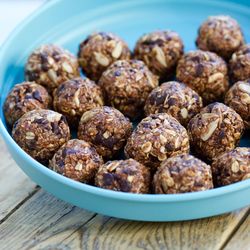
x=67, y=23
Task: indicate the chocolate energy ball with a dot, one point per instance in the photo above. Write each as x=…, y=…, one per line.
x=176, y=99
x=99, y=51
x=76, y=96
x=220, y=34
x=216, y=129
x=124, y=175
x=204, y=72
x=156, y=138
x=51, y=65
x=77, y=160
x=239, y=65
x=182, y=174
x=238, y=98
x=40, y=133
x=23, y=98
x=160, y=50
x=127, y=85
x=106, y=128
x=232, y=166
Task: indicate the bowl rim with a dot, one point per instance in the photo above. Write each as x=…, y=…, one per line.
x=150, y=198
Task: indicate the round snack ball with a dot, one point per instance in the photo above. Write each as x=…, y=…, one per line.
x=182, y=174
x=125, y=176
x=106, y=128
x=77, y=160
x=51, y=65
x=127, y=85
x=99, y=51
x=206, y=73
x=220, y=34
x=176, y=99
x=238, y=98
x=232, y=166
x=216, y=129
x=239, y=65
x=76, y=96
x=23, y=98
x=40, y=133
x=160, y=50
x=156, y=138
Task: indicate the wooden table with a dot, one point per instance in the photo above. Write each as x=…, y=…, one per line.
x=30, y=218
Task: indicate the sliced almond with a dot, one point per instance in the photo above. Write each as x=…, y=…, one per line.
x=87, y=116
x=184, y=113
x=160, y=56
x=244, y=88
x=76, y=98
x=146, y=147
x=235, y=167
x=117, y=50
x=52, y=75
x=210, y=130
x=215, y=77
x=113, y=166
x=67, y=67
x=101, y=59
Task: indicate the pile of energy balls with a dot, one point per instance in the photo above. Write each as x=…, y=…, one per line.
x=173, y=116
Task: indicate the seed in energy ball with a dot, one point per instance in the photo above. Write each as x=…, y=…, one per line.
x=127, y=85
x=124, y=175
x=40, y=133
x=105, y=128
x=220, y=34
x=215, y=130
x=50, y=65
x=76, y=96
x=176, y=99
x=204, y=72
x=156, y=138
x=232, y=166
x=23, y=98
x=99, y=51
x=77, y=160
x=182, y=174
x=239, y=65
x=238, y=98
x=160, y=50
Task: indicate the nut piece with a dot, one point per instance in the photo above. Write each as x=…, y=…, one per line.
x=160, y=50
x=204, y=72
x=105, y=128
x=51, y=65
x=239, y=65
x=156, y=138
x=238, y=98
x=215, y=130
x=220, y=34
x=74, y=97
x=77, y=160
x=176, y=99
x=40, y=133
x=125, y=176
x=127, y=85
x=98, y=51
x=182, y=174
x=24, y=97
x=232, y=166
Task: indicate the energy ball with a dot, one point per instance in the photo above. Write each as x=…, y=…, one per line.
x=232, y=166
x=176, y=99
x=76, y=96
x=23, y=98
x=215, y=130
x=238, y=98
x=182, y=174
x=220, y=34
x=51, y=65
x=160, y=50
x=99, y=51
x=105, y=128
x=77, y=160
x=204, y=72
x=127, y=85
x=125, y=176
x=156, y=138
x=40, y=133
x=239, y=65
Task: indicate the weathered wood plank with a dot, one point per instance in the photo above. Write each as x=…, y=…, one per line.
x=15, y=185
